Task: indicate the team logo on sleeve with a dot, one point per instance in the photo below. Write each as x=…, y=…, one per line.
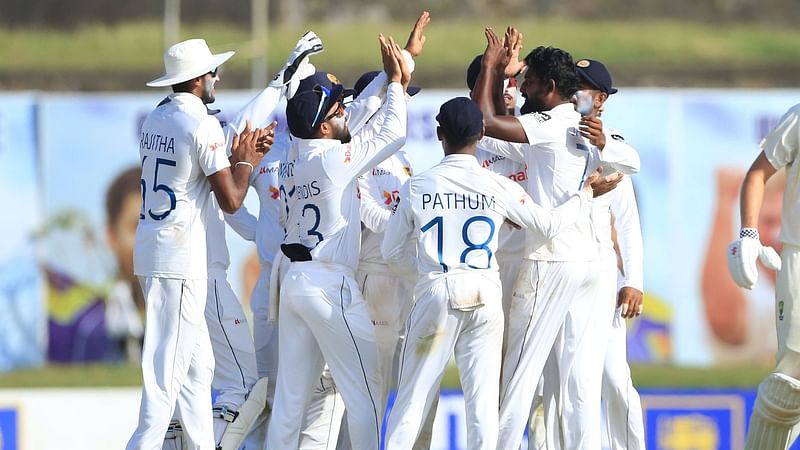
x=275, y=192
x=408, y=170
x=347, y=155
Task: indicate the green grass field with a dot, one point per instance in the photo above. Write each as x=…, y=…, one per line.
x=353, y=49
x=117, y=376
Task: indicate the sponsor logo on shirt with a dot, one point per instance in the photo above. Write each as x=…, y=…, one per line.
x=491, y=160
x=389, y=197
x=540, y=116
x=275, y=192
x=377, y=172
x=617, y=137
x=408, y=170
x=215, y=145
x=264, y=170
x=519, y=176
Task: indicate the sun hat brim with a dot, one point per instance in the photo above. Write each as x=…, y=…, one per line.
x=201, y=69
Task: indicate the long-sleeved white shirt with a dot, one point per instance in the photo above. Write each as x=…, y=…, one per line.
x=620, y=204
x=512, y=240
x=455, y=210
x=326, y=205
x=559, y=160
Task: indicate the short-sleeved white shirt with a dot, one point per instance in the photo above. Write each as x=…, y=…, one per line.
x=781, y=148
x=180, y=146
x=455, y=209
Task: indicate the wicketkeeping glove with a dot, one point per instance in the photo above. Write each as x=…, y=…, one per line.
x=742, y=254
x=297, y=66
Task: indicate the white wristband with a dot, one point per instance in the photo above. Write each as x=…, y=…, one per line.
x=246, y=164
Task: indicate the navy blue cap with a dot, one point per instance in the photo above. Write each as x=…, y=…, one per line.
x=460, y=118
x=365, y=79
x=314, y=98
x=473, y=70
x=596, y=74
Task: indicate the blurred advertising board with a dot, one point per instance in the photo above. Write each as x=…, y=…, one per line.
x=69, y=149
x=688, y=419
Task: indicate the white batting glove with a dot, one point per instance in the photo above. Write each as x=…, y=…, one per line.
x=742, y=254
x=297, y=66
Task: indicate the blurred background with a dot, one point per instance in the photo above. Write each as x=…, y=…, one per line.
x=701, y=83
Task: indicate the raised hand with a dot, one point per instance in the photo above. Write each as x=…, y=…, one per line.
x=390, y=63
x=592, y=129
x=514, y=42
x=496, y=55
x=416, y=40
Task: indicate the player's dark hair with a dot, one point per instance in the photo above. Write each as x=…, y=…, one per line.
x=550, y=63
x=185, y=86
x=127, y=182
x=460, y=142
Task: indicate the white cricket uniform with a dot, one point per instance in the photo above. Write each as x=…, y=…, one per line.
x=180, y=146
x=455, y=209
x=234, y=356
x=554, y=275
x=777, y=404
x=624, y=422
x=389, y=298
x=511, y=246
x=323, y=317
x=781, y=149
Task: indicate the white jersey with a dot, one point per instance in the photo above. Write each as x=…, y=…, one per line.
x=326, y=204
x=629, y=234
x=180, y=146
x=512, y=240
x=781, y=149
x=380, y=191
x=266, y=231
x=456, y=208
x=559, y=160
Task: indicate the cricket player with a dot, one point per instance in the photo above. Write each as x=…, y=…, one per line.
x=454, y=210
x=512, y=240
x=183, y=153
x=777, y=408
x=624, y=423
x=322, y=316
x=388, y=297
x=557, y=275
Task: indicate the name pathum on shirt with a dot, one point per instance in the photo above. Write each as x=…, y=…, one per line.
x=157, y=143
x=455, y=200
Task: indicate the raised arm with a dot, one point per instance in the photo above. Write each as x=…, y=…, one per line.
x=488, y=91
x=400, y=230
x=352, y=160
x=547, y=223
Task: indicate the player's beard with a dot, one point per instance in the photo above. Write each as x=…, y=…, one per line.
x=532, y=104
x=340, y=130
x=208, y=90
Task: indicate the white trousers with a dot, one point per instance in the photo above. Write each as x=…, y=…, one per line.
x=624, y=423
x=574, y=368
x=389, y=300
x=177, y=365
x=434, y=333
x=543, y=294
x=234, y=356
x=508, y=265
x=323, y=318
x=323, y=416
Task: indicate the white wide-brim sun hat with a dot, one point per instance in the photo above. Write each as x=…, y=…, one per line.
x=186, y=60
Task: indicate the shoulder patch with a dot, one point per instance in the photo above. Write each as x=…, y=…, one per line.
x=618, y=137
x=540, y=116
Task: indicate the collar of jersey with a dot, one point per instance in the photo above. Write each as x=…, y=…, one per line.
x=460, y=159
x=189, y=100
